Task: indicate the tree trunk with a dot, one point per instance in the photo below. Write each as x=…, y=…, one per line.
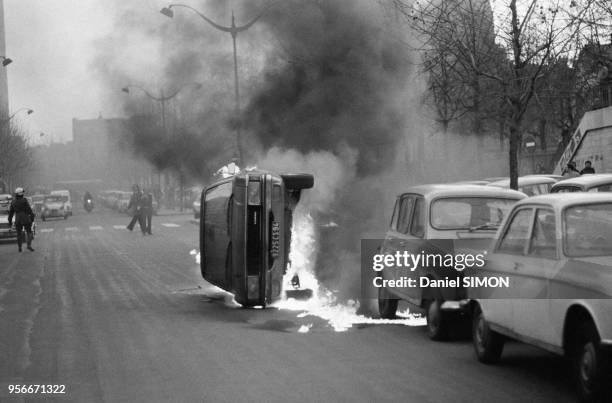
x=513, y=156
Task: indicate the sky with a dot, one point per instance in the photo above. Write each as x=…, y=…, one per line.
x=52, y=45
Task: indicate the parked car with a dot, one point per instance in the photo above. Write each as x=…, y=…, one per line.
x=557, y=251
x=66, y=199
x=531, y=185
x=584, y=183
x=55, y=206
x=123, y=201
x=424, y=214
x=6, y=231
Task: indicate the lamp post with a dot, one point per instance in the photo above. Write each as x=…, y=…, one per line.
x=233, y=30
x=28, y=112
x=163, y=99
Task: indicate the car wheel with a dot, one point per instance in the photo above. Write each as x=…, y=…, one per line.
x=589, y=366
x=488, y=344
x=437, y=321
x=387, y=304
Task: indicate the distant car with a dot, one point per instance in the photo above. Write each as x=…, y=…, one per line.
x=123, y=201
x=6, y=231
x=66, y=199
x=557, y=251
x=37, y=203
x=424, y=214
x=196, y=208
x=54, y=206
x=584, y=183
x=531, y=185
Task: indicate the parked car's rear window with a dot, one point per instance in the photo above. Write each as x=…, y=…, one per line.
x=468, y=212
x=588, y=230
x=55, y=199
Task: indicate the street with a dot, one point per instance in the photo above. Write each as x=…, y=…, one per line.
x=120, y=317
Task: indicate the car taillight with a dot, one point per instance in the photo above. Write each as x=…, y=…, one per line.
x=252, y=287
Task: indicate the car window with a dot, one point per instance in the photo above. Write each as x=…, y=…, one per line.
x=417, y=227
x=53, y=199
x=405, y=211
x=543, y=238
x=602, y=188
x=468, y=212
x=515, y=237
x=566, y=189
x=393, y=224
x=588, y=230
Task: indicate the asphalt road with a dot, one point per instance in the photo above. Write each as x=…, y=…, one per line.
x=119, y=317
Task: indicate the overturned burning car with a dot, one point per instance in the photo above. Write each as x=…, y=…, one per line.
x=245, y=233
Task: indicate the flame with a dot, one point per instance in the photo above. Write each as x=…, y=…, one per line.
x=324, y=303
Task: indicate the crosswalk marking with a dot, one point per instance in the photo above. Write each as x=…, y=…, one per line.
x=170, y=225
x=119, y=226
x=43, y=230
x=72, y=229
x=95, y=228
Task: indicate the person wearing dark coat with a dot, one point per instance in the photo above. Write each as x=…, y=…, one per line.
x=147, y=211
x=135, y=205
x=588, y=169
x=24, y=217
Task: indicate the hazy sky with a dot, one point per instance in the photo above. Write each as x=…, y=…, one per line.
x=52, y=44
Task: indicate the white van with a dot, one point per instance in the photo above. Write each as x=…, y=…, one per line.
x=65, y=194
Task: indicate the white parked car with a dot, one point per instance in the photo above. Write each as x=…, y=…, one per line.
x=557, y=252
x=66, y=199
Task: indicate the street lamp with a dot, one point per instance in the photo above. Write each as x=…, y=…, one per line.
x=163, y=99
x=27, y=110
x=232, y=30
x=6, y=60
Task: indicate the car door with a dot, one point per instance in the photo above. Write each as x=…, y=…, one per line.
x=507, y=258
x=531, y=309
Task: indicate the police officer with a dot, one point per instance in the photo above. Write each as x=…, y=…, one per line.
x=24, y=217
x=136, y=206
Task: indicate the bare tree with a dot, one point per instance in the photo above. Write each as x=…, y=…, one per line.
x=527, y=35
x=15, y=153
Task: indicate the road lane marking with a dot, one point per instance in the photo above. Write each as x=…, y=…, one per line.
x=119, y=226
x=95, y=228
x=43, y=230
x=72, y=229
x=171, y=225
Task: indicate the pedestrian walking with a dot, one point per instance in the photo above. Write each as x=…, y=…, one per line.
x=24, y=217
x=135, y=206
x=588, y=169
x=570, y=171
x=147, y=210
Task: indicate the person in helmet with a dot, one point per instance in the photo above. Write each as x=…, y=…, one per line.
x=24, y=217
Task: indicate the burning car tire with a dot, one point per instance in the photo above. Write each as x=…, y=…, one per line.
x=387, y=305
x=298, y=181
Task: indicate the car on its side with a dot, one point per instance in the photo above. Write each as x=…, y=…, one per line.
x=531, y=185
x=469, y=214
x=54, y=206
x=556, y=250
x=584, y=183
x=66, y=199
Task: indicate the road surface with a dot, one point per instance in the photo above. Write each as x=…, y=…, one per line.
x=120, y=317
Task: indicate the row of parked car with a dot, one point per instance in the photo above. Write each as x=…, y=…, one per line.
x=555, y=248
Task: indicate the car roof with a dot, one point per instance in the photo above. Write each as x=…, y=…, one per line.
x=524, y=181
x=562, y=200
x=587, y=180
x=435, y=190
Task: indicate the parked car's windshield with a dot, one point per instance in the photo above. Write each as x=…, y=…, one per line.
x=469, y=212
x=602, y=188
x=588, y=230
